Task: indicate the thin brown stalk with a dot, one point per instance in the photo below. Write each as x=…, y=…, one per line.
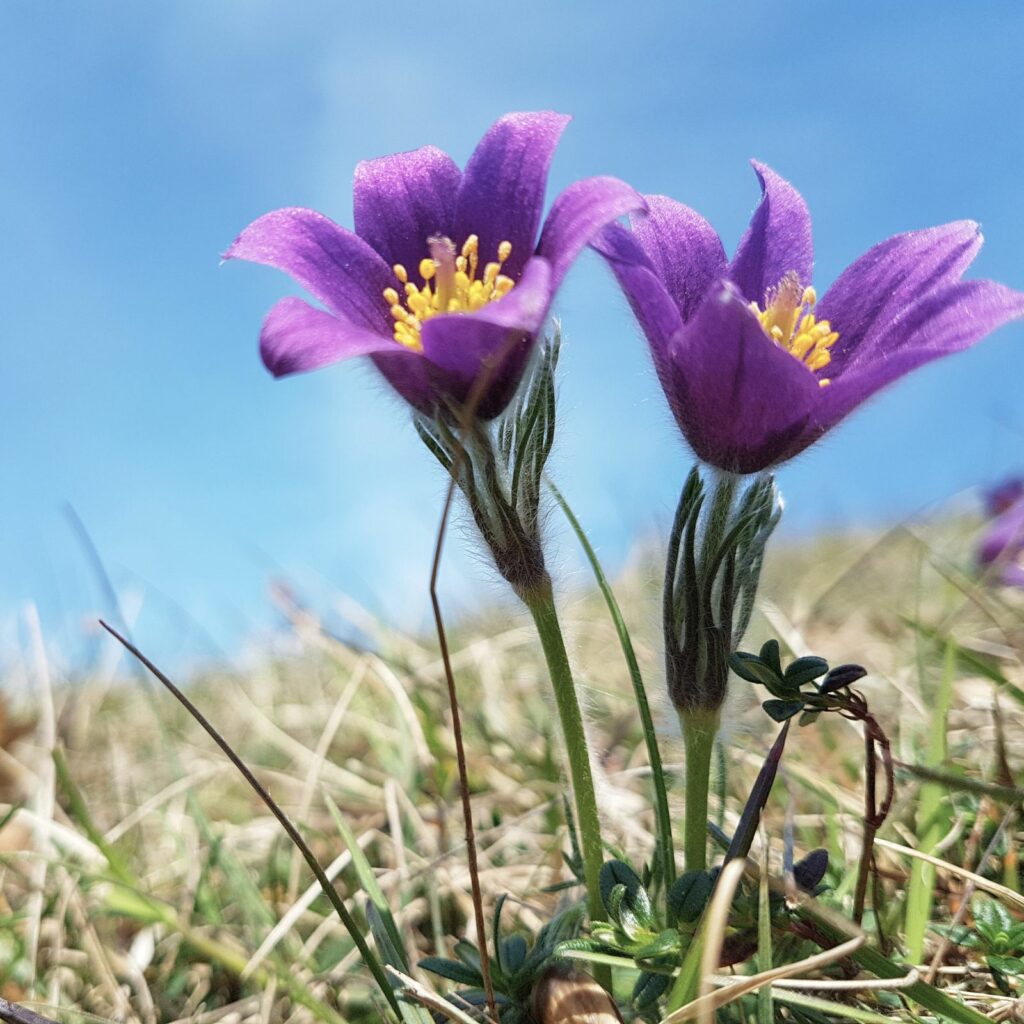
x=465, y=421
x=876, y=744
x=12, y=1014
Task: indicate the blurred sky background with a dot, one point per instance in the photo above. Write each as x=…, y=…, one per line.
x=138, y=139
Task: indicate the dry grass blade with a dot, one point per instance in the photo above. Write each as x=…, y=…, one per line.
x=369, y=957
x=412, y=989
x=1003, y=892
x=704, y=1007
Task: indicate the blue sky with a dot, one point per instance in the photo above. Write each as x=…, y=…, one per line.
x=140, y=138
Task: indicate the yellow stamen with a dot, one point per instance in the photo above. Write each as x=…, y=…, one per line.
x=788, y=319
x=450, y=285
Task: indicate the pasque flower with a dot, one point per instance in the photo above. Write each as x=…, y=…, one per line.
x=754, y=366
x=444, y=271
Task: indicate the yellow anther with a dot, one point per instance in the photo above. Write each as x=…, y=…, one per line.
x=788, y=319
x=450, y=285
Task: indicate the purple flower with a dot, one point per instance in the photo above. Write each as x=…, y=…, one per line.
x=755, y=368
x=999, y=498
x=1002, y=544
x=444, y=271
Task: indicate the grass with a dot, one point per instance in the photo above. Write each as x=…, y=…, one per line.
x=140, y=879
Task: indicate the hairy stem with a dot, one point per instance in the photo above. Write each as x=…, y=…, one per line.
x=699, y=729
x=541, y=603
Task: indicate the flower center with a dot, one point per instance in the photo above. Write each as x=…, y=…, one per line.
x=450, y=285
x=788, y=319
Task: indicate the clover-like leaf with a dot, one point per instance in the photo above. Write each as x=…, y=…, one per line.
x=808, y=872
x=805, y=670
x=689, y=895
x=751, y=668
x=770, y=655
x=840, y=677
x=780, y=710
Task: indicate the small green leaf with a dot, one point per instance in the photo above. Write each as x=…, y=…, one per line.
x=751, y=668
x=842, y=676
x=780, y=710
x=689, y=896
x=770, y=654
x=666, y=943
x=804, y=670
x=809, y=872
x=452, y=970
x=1012, y=965
x=649, y=988
x=513, y=953
x=616, y=873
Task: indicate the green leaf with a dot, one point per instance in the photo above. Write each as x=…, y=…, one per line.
x=1012, y=965
x=468, y=954
x=452, y=970
x=689, y=895
x=780, y=710
x=665, y=944
x=513, y=950
x=991, y=918
x=770, y=654
x=368, y=880
x=649, y=988
x=751, y=668
x=615, y=873
x=804, y=670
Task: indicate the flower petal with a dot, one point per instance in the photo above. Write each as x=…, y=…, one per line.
x=892, y=275
x=403, y=199
x=296, y=337
x=654, y=308
x=740, y=399
x=778, y=240
x=463, y=345
x=1004, y=534
x=502, y=193
x=684, y=249
x=335, y=265
x=949, y=319
x=578, y=214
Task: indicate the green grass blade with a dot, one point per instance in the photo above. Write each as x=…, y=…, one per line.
x=368, y=880
x=826, y=1006
x=666, y=854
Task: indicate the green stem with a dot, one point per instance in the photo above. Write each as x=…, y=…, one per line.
x=699, y=729
x=541, y=603
x=666, y=854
